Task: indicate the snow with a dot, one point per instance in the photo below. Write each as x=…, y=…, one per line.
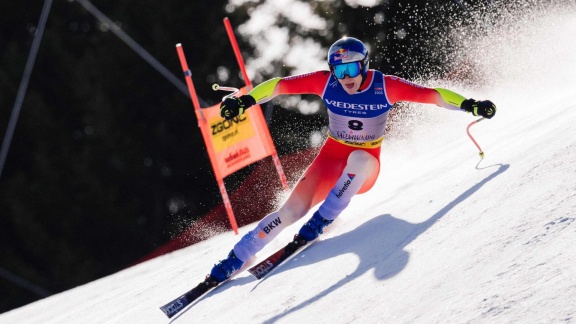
x=441, y=237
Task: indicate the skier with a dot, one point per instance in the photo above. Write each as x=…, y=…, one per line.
x=358, y=101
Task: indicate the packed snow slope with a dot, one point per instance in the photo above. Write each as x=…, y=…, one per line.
x=442, y=238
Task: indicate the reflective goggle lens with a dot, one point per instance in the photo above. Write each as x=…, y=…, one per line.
x=351, y=69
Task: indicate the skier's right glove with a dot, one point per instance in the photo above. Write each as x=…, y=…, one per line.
x=234, y=106
x=484, y=108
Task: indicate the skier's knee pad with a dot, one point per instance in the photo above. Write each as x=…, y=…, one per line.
x=267, y=229
x=361, y=161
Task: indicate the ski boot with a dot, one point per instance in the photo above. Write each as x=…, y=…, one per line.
x=225, y=268
x=313, y=227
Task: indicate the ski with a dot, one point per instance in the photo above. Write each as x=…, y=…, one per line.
x=178, y=304
x=194, y=294
x=279, y=257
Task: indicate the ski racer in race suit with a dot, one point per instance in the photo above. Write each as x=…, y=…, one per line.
x=358, y=101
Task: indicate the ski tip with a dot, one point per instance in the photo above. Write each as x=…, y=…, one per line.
x=173, y=307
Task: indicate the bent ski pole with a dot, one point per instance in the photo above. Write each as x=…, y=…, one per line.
x=234, y=91
x=481, y=153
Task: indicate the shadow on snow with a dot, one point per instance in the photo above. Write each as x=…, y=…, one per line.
x=386, y=253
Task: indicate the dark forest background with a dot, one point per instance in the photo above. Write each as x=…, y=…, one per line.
x=107, y=162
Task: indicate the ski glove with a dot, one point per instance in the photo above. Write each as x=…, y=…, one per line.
x=234, y=106
x=484, y=108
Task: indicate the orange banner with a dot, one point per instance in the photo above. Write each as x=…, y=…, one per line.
x=237, y=142
x=232, y=144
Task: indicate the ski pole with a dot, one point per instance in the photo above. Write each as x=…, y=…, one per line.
x=234, y=91
x=481, y=153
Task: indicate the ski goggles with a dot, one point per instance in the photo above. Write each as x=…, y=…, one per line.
x=351, y=69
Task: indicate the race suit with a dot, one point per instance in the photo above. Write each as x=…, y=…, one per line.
x=349, y=161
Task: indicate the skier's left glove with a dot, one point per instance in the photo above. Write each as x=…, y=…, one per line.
x=234, y=106
x=484, y=108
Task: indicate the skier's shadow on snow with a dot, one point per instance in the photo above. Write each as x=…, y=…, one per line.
x=378, y=243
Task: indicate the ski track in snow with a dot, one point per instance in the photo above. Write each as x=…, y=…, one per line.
x=440, y=238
